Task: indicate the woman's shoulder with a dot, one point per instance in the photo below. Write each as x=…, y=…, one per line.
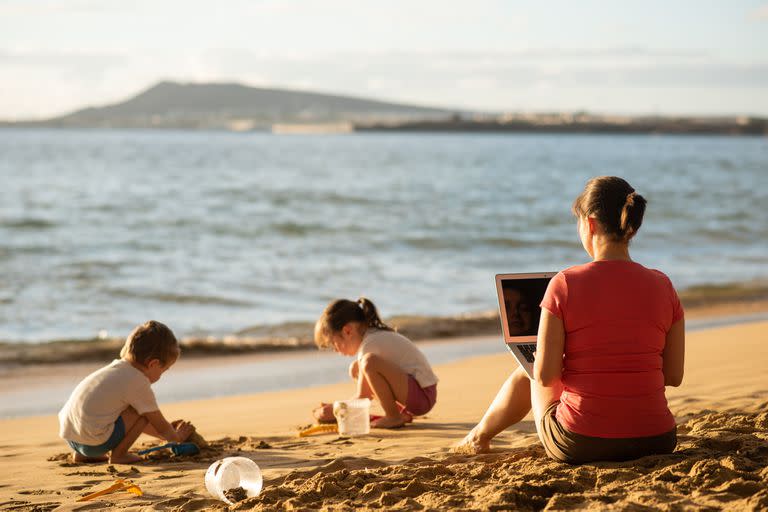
x=612, y=265
x=653, y=273
x=611, y=269
x=576, y=269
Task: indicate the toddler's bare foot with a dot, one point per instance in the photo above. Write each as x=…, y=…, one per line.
x=472, y=444
x=128, y=458
x=390, y=422
x=79, y=457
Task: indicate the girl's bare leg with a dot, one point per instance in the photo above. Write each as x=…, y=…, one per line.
x=512, y=403
x=389, y=384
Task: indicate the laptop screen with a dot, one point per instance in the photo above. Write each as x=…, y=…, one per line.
x=520, y=299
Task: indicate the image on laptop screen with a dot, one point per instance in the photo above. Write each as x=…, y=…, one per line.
x=521, y=304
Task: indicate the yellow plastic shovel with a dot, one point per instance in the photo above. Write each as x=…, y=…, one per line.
x=119, y=485
x=319, y=429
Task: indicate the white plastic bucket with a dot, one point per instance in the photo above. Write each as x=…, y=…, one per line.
x=232, y=472
x=353, y=416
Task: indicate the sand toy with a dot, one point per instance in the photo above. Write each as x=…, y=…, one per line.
x=353, y=416
x=119, y=485
x=319, y=429
x=233, y=479
x=176, y=448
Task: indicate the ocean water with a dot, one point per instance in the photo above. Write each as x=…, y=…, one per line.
x=213, y=232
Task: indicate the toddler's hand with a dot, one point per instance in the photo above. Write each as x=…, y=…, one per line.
x=183, y=429
x=176, y=423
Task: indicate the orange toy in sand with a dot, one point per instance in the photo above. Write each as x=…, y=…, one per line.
x=119, y=485
x=319, y=429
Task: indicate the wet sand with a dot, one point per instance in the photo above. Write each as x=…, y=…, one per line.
x=721, y=460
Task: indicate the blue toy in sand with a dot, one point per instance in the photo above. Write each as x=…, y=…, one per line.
x=176, y=448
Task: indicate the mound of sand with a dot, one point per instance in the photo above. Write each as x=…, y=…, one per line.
x=721, y=462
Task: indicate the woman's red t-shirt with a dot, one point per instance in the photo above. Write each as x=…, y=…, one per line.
x=616, y=316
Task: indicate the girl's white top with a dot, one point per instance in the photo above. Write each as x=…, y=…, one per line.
x=89, y=415
x=399, y=350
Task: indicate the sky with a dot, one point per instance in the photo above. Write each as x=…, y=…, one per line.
x=626, y=57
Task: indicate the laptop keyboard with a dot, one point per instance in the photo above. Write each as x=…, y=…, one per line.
x=527, y=351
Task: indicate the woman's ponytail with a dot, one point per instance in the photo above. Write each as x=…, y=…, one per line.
x=632, y=215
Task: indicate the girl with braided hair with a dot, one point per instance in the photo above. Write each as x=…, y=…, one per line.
x=611, y=337
x=387, y=367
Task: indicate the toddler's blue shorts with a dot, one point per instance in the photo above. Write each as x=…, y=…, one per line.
x=97, y=451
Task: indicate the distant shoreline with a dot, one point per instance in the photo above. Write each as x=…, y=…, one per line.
x=564, y=124
x=754, y=127
x=709, y=301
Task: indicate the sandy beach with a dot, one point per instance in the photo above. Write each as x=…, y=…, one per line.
x=721, y=460
x=222, y=226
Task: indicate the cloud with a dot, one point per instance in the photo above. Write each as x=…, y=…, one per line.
x=472, y=80
x=49, y=7
x=582, y=67
x=70, y=60
x=759, y=14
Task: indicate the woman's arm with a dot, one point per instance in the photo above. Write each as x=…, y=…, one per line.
x=548, y=365
x=674, y=354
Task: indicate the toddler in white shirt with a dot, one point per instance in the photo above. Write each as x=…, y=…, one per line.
x=113, y=406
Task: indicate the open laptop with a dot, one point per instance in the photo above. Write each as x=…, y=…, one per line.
x=519, y=299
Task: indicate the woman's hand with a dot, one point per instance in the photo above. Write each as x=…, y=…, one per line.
x=184, y=429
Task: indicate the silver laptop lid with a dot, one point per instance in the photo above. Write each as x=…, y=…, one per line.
x=519, y=299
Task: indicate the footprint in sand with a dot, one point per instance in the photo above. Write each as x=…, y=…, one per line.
x=86, y=473
x=340, y=440
x=168, y=477
x=188, y=504
x=77, y=487
x=26, y=505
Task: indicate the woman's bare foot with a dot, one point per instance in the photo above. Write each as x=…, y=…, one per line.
x=128, y=458
x=390, y=422
x=472, y=444
x=79, y=457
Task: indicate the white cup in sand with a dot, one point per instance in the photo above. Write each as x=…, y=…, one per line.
x=231, y=473
x=353, y=416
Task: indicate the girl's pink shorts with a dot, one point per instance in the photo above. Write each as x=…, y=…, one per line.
x=420, y=400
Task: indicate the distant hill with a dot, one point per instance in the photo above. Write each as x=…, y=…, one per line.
x=230, y=105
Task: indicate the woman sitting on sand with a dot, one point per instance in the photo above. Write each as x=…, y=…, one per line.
x=611, y=337
x=388, y=365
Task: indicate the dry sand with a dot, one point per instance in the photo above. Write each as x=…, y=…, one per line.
x=721, y=461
